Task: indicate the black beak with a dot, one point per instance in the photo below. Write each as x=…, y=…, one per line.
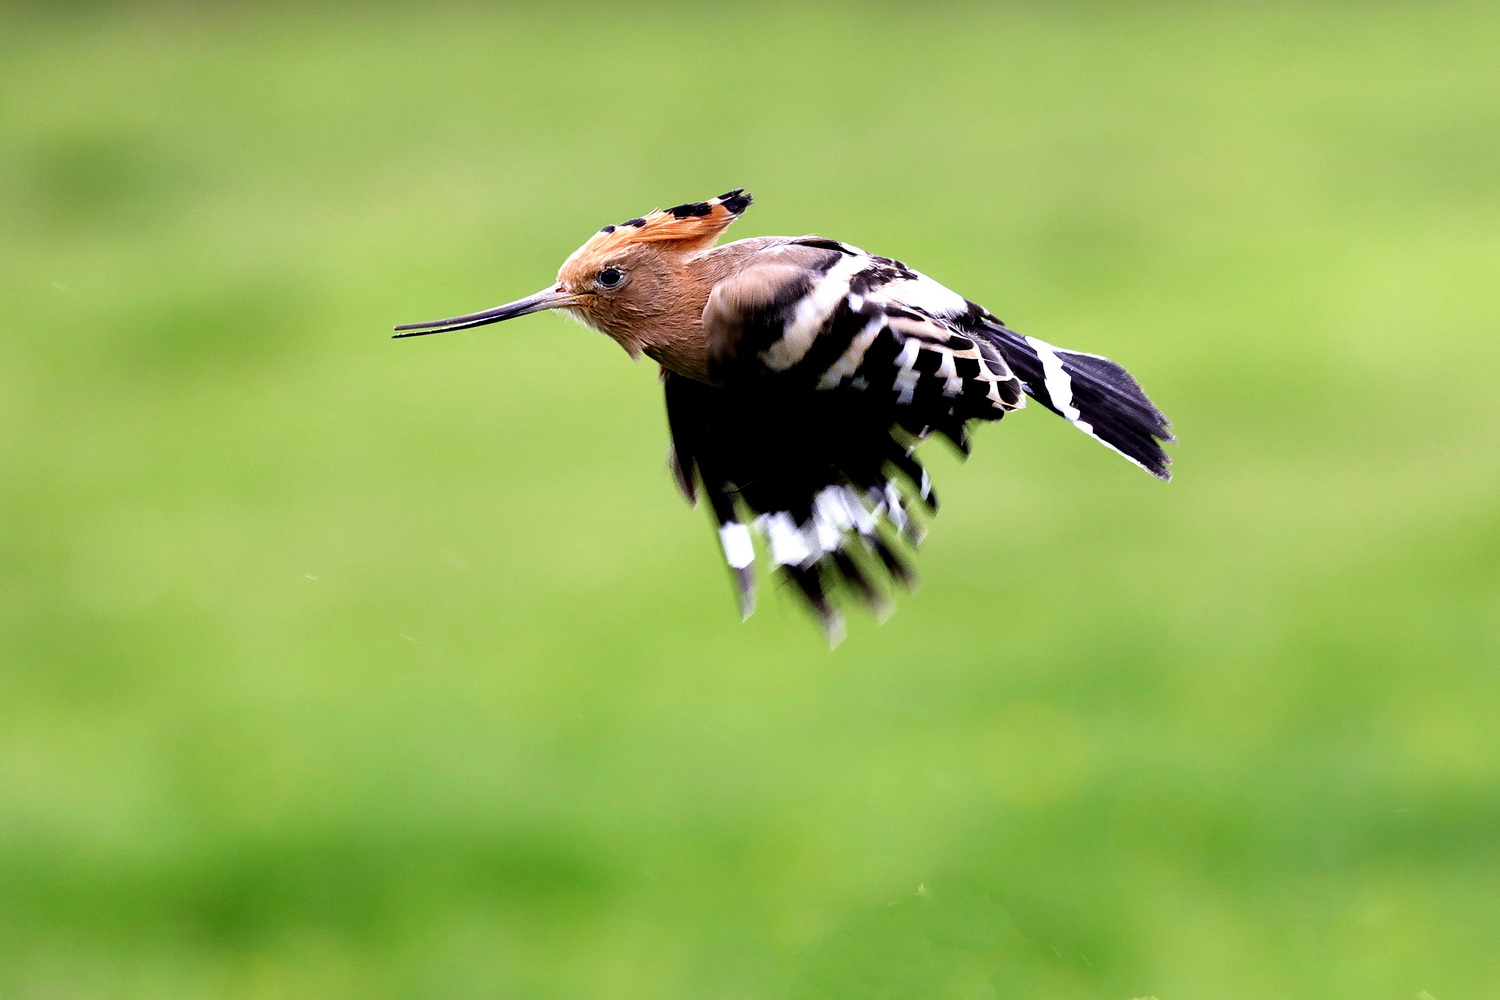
x=549, y=298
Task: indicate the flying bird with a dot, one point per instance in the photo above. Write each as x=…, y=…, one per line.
x=800, y=374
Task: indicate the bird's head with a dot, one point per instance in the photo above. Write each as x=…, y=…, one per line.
x=623, y=275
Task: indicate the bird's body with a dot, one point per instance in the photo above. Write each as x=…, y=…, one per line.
x=801, y=372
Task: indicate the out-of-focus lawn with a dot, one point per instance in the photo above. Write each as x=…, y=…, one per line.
x=340, y=667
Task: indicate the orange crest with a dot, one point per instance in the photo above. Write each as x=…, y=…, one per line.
x=693, y=226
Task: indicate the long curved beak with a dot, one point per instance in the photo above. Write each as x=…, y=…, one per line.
x=547, y=298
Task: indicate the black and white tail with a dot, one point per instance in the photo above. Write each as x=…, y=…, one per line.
x=1094, y=394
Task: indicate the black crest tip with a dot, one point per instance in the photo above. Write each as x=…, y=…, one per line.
x=735, y=201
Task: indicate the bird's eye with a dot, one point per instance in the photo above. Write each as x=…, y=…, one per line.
x=611, y=276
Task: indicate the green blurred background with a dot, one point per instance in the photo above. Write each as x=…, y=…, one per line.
x=340, y=667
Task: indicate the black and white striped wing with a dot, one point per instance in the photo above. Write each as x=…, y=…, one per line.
x=842, y=320
x=825, y=383
x=829, y=366
x=821, y=481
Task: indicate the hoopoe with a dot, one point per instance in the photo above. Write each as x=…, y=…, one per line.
x=800, y=374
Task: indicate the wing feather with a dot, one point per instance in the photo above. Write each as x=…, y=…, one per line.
x=829, y=366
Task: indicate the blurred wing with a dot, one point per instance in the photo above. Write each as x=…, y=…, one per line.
x=818, y=479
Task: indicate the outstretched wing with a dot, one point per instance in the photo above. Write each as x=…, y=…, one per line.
x=829, y=366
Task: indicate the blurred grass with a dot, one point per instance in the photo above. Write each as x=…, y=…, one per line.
x=339, y=667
